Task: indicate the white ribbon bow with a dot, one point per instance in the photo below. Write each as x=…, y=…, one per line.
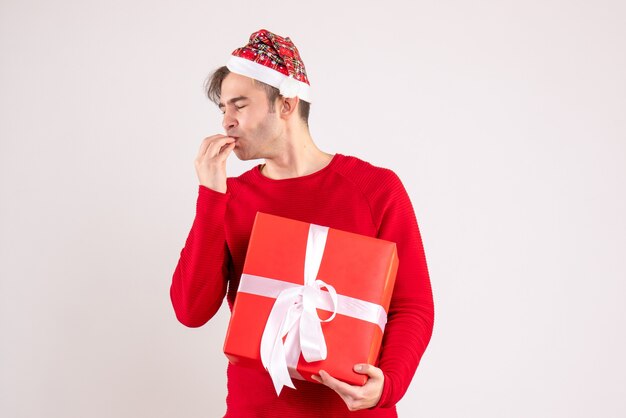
x=294, y=315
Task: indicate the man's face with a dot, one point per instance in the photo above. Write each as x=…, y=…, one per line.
x=247, y=118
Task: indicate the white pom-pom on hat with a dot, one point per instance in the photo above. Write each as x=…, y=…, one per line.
x=289, y=87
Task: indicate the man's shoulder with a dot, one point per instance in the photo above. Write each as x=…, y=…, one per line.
x=245, y=177
x=365, y=174
x=380, y=186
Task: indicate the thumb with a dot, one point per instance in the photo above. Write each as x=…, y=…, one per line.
x=367, y=369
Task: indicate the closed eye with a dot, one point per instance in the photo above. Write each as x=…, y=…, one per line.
x=236, y=107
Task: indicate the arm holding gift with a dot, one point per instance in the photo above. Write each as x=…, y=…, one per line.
x=411, y=312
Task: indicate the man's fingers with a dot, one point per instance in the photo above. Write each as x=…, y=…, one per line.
x=226, y=149
x=368, y=369
x=204, y=145
x=215, y=147
x=353, y=396
x=356, y=397
x=210, y=144
x=342, y=388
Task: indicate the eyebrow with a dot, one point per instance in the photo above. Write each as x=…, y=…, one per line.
x=233, y=100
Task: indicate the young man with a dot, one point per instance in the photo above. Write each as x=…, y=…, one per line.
x=264, y=95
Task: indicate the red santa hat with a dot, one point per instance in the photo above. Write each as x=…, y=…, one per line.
x=274, y=60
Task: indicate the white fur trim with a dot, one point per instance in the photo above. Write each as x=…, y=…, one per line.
x=288, y=86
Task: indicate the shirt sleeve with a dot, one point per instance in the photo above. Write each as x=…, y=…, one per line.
x=411, y=311
x=200, y=279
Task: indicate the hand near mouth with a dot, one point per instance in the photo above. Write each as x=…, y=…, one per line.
x=210, y=162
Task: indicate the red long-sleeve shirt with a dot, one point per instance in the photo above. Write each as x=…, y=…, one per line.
x=348, y=194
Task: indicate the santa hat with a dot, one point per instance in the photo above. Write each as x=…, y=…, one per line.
x=274, y=60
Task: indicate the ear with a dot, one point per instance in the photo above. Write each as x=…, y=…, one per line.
x=288, y=106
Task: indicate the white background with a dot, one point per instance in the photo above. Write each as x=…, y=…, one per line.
x=505, y=120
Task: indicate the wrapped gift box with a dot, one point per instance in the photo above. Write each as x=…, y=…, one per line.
x=284, y=255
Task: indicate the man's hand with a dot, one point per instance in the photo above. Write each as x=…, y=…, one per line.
x=357, y=397
x=211, y=161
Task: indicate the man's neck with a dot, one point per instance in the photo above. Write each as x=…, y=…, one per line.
x=296, y=161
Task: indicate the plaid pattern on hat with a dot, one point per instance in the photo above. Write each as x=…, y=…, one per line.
x=274, y=60
x=275, y=52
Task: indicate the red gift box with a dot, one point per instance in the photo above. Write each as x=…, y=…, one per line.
x=296, y=271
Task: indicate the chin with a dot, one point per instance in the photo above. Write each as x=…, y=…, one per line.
x=241, y=156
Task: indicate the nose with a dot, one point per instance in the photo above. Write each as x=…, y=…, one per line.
x=228, y=122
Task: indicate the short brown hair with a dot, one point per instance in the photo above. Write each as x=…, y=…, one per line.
x=213, y=90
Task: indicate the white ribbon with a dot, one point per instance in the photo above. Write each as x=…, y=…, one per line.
x=294, y=314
